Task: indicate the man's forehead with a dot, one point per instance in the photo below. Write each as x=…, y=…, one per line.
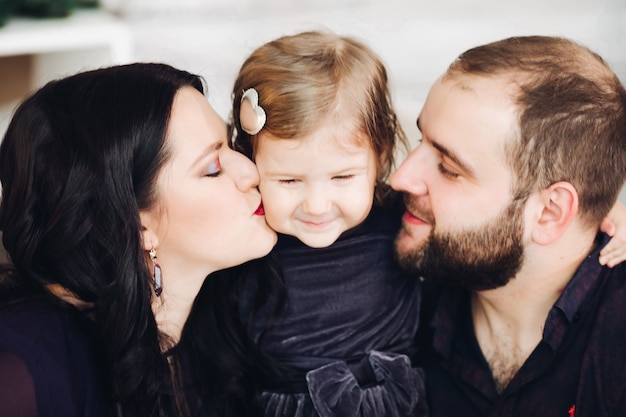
x=503, y=86
x=472, y=96
x=469, y=116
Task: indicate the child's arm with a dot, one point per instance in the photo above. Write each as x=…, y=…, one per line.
x=614, y=225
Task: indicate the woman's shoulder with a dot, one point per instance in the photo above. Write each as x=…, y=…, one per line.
x=28, y=322
x=45, y=328
x=41, y=333
x=55, y=352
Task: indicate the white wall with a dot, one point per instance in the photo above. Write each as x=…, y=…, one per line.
x=416, y=38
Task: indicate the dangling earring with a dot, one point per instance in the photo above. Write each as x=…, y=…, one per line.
x=156, y=273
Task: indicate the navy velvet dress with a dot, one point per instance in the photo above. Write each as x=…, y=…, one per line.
x=47, y=365
x=346, y=334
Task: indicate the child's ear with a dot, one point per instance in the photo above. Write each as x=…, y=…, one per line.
x=148, y=235
x=555, y=209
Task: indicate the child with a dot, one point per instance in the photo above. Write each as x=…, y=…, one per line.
x=314, y=112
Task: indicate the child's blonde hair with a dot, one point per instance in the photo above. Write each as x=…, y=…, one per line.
x=308, y=79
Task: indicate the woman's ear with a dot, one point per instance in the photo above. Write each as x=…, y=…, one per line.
x=557, y=207
x=148, y=235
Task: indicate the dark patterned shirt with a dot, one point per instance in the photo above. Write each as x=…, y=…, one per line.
x=578, y=368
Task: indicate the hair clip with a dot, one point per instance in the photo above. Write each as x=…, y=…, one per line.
x=251, y=114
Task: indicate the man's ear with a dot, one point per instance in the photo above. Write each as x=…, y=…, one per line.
x=148, y=235
x=557, y=207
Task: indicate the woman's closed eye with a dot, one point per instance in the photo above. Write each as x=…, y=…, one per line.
x=214, y=169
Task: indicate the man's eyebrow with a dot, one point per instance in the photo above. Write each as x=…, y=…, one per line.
x=451, y=155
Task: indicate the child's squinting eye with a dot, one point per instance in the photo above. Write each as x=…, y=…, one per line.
x=343, y=177
x=288, y=181
x=214, y=169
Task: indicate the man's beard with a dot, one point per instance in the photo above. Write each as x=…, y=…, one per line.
x=478, y=259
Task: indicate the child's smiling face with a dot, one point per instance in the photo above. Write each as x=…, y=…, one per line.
x=318, y=186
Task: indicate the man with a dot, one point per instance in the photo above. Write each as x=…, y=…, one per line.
x=523, y=153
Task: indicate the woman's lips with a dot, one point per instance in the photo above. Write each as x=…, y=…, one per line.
x=260, y=211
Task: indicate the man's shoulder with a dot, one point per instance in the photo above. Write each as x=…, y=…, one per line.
x=611, y=292
x=53, y=347
x=603, y=365
x=612, y=284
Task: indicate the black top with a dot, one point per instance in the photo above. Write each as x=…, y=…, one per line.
x=578, y=368
x=47, y=365
x=343, y=301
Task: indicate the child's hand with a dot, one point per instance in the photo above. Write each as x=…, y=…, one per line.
x=614, y=225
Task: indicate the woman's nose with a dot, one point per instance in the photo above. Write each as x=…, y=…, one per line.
x=246, y=175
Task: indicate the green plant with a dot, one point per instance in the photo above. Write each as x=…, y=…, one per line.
x=42, y=8
x=46, y=8
x=6, y=10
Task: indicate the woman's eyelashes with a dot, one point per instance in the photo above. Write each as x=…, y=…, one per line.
x=214, y=169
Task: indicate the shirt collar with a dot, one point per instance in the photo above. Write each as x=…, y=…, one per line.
x=583, y=280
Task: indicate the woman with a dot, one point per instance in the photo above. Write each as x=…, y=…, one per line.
x=120, y=195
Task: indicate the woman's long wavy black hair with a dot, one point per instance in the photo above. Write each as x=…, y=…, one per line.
x=78, y=162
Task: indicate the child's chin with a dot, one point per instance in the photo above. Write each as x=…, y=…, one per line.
x=318, y=240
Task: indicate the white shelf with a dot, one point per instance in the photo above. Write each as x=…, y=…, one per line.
x=84, y=29
x=34, y=51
